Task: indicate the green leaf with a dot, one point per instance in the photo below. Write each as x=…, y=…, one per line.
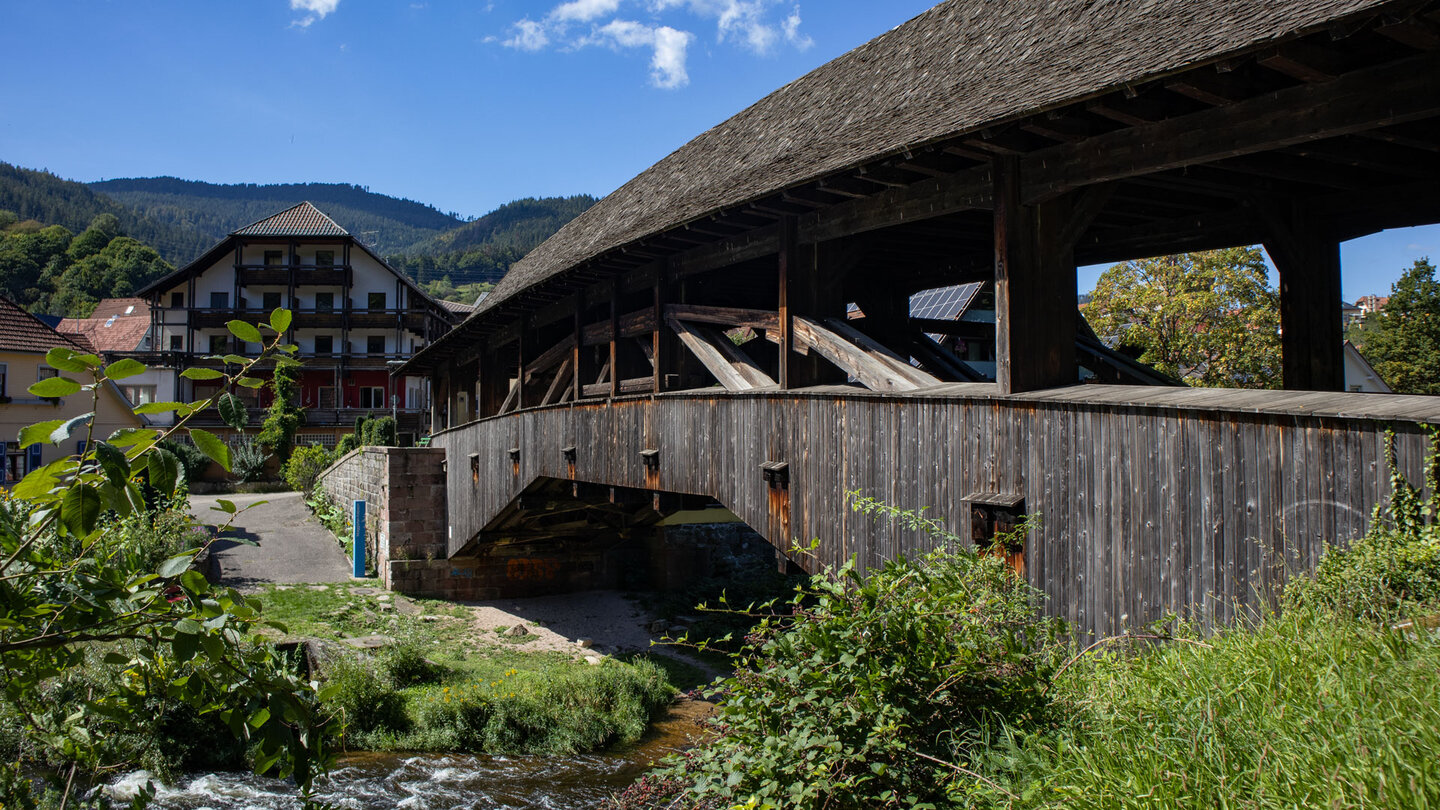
x=63, y=358
x=236, y=359
x=80, y=509
x=177, y=565
x=112, y=460
x=250, y=382
x=232, y=410
x=39, y=432
x=164, y=469
x=244, y=331
x=228, y=507
x=127, y=367
x=52, y=387
x=280, y=320
x=63, y=432
x=115, y=659
x=41, y=481
x=159, y=407
x=185, y=646
x=201, y=374
x=130, y=437
x=289, y=348
x=211, y=446
x=260, y=717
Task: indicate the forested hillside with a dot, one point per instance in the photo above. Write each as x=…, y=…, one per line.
x=387, y=224
x=49, y=269
x=45, y=198
x=481, y=251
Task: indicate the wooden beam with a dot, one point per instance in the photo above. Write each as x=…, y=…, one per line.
x=729, y=317
x=785, y=268
x=1351, y=103
x=1035, y=290
x=863, y=365
x=731, y=367
x=510, y=398
x=615, y=338
x=548, y=358
x=635, y=385
x=562, y=375
x=1307, y=254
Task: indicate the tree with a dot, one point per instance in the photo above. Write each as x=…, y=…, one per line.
x=1402, y=341
x=76, y=598
x=1210, y=318
x=277, y=432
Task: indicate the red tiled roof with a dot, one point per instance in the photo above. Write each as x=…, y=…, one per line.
x=22, y=332
x=116, y=325
x=302, y=220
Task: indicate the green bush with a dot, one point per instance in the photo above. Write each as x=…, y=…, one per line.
x=869, y=687
x=1392, y=572
x=247, y=459
x=191, y=458
x=407, y=666
x=348, y=442
x=305, y=465
x=365, y=700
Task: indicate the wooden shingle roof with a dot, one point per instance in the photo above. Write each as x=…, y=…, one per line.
x=958, y=68
x=301, y=220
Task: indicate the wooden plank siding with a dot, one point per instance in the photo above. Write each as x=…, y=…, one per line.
x=1146, y=508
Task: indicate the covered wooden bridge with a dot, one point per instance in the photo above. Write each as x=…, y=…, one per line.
x=693, y=333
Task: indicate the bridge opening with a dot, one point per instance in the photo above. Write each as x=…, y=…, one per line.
x=563, y=536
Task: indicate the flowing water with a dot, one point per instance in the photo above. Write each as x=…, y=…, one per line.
x=440, y=781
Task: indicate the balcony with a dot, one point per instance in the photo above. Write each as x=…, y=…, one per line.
x=408, y=420
x=351, y=317
x=304, y=275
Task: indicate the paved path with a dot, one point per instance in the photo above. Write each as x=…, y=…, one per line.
x=292, y=545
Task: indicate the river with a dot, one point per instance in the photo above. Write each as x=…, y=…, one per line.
x=372, y=781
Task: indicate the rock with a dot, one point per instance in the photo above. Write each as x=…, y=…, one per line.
x=432, y=618
x=678, y=630
x=384, y=597
x=375, y=642
x=518, y=631
x=585, y=643
x=594, y=660
x=659, y=626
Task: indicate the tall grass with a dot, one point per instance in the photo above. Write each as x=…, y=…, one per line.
x=1308, y=710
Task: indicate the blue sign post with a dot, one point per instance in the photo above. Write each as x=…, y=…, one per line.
x=359, y=538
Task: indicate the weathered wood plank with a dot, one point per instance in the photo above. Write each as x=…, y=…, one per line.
x=721, y=363
x=858, y=363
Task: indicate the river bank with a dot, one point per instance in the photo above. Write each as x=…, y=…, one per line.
x=372, y=781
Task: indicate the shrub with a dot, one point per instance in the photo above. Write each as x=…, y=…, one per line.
x=348, y=442
x=365, y=700
x=867, y=692
x=305, y=465
x=1394, y=570
x=284, y=417
x=191, y=458
x=247, y=459
x=407, y=666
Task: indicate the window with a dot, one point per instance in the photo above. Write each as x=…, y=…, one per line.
x=324, y=302
x=140, y=394
x=274, y=258
x=219, y=300
x=219, y=345
x=324, y=258
x=177, y=343
x=375, y=344
x=372, y=397
x=4, y=374
x=377, y=300
x=177, y=300
x=324, y=344
x=45, y=373
x=270, y=301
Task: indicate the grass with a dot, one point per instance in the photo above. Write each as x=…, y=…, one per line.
x=1299, y=711
x=440, y=688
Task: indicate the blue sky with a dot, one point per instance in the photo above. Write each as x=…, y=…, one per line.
x=462, y=105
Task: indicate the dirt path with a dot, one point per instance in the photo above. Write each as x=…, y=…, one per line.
x=292, y=547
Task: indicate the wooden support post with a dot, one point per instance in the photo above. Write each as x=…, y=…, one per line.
x=788, y=271
x=520, y=366
x=1312, y=339
x=659, y=346
x=579, y=347
x=1036, y=312
x=615, y=337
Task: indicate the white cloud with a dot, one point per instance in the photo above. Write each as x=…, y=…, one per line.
x=314, y=10
x=583, y=10
x=751, y=24
x=667, y=65
x=528, y=36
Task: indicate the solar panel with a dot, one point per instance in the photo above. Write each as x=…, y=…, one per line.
x=944, y=303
